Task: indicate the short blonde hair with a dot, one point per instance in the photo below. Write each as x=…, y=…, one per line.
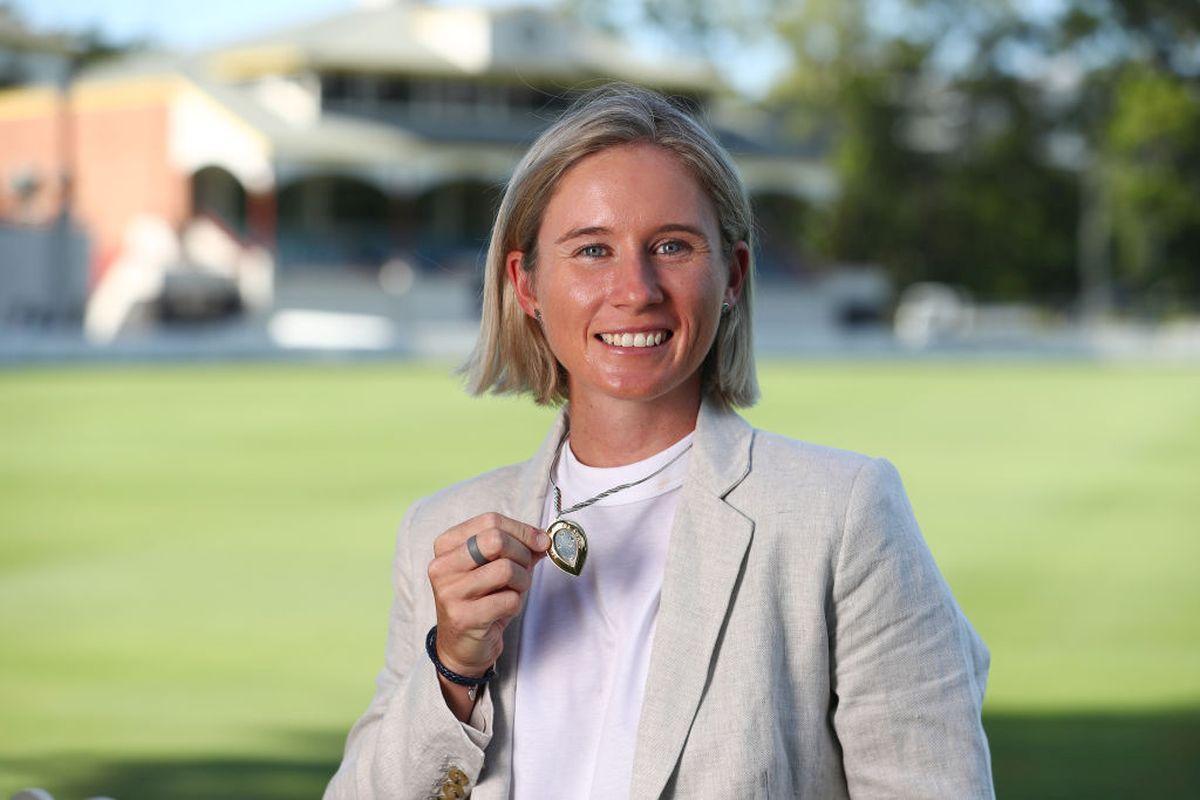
x=511, y=355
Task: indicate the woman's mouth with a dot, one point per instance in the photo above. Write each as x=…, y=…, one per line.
x=639, y=339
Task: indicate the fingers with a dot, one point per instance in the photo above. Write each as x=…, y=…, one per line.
x=501, y=574
x=532, y=538
x=475, y=602
x=494, y=545
x=484, y=612
x=503, y=550
x=497, y=537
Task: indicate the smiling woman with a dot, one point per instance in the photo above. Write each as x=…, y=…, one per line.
x=629, y=292
x=723, y=612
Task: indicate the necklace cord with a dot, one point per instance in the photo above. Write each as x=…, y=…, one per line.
x=558, y=509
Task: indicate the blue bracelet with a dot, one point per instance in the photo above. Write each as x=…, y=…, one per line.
x=446, y=672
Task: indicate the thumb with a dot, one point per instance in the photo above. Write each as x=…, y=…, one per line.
x=539, y=554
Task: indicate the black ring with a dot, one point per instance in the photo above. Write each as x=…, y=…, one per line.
x=476, y=554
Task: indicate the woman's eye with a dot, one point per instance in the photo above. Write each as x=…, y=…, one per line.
x=671, y=248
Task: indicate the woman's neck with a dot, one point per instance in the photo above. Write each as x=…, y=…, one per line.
x=611, y=433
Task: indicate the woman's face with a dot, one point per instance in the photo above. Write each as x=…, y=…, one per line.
x=630, y=276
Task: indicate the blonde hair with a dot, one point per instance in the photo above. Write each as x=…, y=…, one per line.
x=511, y=355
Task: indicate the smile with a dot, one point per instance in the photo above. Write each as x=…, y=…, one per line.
x=639, y=339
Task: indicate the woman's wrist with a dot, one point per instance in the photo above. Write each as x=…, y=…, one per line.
x=459, y=699
x=466, y=677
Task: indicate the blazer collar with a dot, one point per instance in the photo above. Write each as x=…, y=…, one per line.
x=721, y=457
x=707, y=548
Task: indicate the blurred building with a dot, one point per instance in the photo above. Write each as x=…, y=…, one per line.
x=382, y=134
x=43, y=256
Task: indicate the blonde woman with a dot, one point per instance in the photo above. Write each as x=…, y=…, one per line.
x=663, y=601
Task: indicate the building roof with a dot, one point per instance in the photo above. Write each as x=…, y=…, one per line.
x=531, y=47
x=536, y=43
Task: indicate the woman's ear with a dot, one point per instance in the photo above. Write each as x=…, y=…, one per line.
x=739, y=268
x=522, y=281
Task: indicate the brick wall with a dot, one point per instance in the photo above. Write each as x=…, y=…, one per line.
x=120, y=157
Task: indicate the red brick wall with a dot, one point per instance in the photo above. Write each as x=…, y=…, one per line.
x=120, y=159
x=123, y=171
x=29, y=142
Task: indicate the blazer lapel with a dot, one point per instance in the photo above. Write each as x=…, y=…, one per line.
x=709, y=540
x=708, y=544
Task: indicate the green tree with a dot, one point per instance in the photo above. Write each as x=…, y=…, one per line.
x=1152, y=154
x=1008, y=152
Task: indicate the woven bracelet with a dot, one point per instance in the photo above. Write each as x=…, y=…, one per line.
x=446, y=672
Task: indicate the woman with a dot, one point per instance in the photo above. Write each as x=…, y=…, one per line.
x=663, y=601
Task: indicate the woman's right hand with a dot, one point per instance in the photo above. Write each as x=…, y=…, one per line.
x=475, y=603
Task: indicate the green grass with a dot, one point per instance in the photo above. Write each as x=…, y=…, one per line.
x=194, y=561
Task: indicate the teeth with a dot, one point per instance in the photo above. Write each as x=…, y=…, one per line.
x=634, y=339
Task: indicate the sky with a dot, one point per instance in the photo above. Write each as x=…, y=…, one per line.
x=186, y=24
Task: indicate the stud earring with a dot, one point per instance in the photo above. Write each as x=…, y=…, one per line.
x=724, y=309
x=537, y=314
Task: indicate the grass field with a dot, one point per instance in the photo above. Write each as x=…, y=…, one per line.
x=194, y=560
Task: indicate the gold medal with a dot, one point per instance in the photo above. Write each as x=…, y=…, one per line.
x=568, y=546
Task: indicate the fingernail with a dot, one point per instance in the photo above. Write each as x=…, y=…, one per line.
x=543, y=541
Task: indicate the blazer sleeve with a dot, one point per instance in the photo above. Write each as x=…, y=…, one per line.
x=408, y=742
x=908, y=670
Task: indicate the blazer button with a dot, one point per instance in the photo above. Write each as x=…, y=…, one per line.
x=457, y=777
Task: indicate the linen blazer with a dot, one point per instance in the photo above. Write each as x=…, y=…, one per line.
x=807, y=645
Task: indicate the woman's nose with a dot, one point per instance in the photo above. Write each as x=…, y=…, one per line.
x=636, y=282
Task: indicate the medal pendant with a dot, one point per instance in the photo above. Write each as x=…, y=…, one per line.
x=568, y=546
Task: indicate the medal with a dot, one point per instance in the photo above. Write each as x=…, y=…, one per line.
x=568, y=542
x=568, y=546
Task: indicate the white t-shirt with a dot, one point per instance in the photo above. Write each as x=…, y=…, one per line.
x=585, y=641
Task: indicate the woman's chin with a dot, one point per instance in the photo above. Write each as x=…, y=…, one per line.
x=635, y=388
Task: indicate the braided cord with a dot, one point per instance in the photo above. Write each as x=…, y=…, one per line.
x=449, y=674
x=558, y=509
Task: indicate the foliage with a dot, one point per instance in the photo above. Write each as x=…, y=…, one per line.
x=29, y=55
x=1152, y=148
x=973, y=137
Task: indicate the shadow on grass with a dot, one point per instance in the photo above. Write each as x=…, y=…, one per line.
x=1034, y=756
x=1139, y=754
x=217, y=777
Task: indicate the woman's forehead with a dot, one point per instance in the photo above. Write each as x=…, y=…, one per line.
x=625, y=185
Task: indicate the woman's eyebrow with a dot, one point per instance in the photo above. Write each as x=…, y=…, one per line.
x=682, y=227
x=593, y=230
x=575, y=233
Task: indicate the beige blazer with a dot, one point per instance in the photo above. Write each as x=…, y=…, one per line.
x=806, y=645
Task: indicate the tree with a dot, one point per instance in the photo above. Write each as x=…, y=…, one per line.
x=1152, y=153
x=1005, y=151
